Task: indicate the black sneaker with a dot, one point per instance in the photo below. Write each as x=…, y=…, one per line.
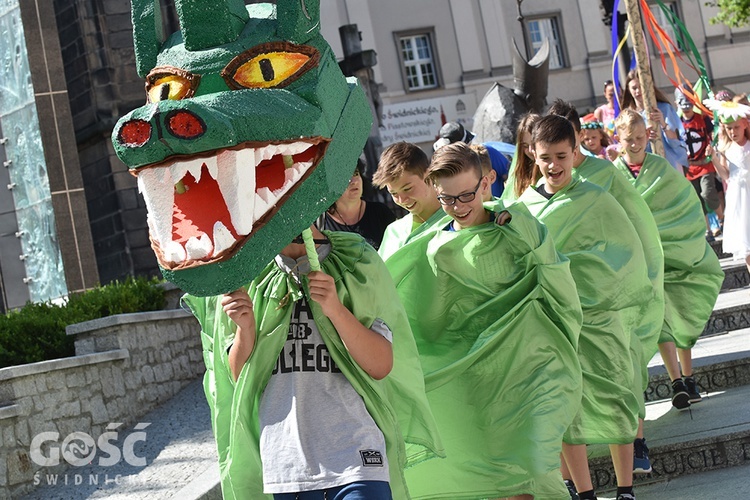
x=626, y=496
x=572, y=490
x=680, y=396
x=710, y=237
x=692, y=389
x=641, y=463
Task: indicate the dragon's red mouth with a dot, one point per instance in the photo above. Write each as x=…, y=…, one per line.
x=202, y=209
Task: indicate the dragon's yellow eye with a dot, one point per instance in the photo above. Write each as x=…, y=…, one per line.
x=275, y=64
x=165, y=82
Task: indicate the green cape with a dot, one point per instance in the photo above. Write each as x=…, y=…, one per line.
x=692, y=273
x=399, y=233
x=496, y=320
x=606, y=176
x=397, y=403
x=606, y=259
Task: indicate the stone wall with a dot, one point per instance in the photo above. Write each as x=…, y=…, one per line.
x=125, y=366
x=98, y=68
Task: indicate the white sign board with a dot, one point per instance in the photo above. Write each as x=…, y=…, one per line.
x=420, y=121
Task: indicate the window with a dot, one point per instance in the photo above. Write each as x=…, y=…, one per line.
x=663, y=21
x=547, y=28
x=418, y=61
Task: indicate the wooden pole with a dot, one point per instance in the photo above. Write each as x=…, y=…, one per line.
x=644, y=69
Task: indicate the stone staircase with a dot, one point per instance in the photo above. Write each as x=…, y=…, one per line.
x=712, y=435
x=715, y=433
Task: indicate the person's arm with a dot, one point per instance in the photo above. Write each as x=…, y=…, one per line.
x=671, y=131
x=238, y=306
x=370, y=350
x=719, y=161
x=598, y=114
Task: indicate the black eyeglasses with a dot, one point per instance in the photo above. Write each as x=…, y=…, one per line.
x=448, y=200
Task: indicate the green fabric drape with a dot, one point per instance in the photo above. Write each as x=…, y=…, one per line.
x=608, y=265
x=399, y=233
x=397, y=403
x=496, y=319
x=605, y=175
x=692, y=273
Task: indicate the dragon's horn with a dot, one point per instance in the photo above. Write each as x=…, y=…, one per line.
x=210, y=23
x=148, y=33
x=299, y=20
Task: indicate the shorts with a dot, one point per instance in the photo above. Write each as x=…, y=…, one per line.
x=719, y=185
x=359, y=490
x=705, y=186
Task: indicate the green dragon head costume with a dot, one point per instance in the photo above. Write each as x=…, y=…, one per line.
x=249, y=133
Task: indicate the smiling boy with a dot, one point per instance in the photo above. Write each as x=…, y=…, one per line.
x=495, y=317
x=606, y=176
x=692, y=273
x=607, y=262
x=456, y=171
x=401, y=170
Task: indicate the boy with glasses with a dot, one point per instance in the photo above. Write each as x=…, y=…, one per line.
x=495, y=316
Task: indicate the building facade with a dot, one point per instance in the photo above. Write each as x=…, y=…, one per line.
x=435, y=54
x=70, y=213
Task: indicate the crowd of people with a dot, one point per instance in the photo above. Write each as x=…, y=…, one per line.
x=474, y=347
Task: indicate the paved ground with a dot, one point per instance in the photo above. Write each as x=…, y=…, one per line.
x=179, y=447
x=732, y=483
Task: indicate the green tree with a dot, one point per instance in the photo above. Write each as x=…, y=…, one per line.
x=733, y=13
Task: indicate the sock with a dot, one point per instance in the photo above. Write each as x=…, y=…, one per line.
x=587, y=495
x=622, y=490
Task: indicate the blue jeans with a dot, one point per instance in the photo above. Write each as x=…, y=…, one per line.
x=361, y=490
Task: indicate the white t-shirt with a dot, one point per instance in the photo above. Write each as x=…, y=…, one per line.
x=315, y=430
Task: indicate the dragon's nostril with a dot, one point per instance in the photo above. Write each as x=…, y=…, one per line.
x=185, y=124
x=135, y=133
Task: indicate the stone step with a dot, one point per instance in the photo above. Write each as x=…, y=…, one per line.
x=735, y=274
x=710, y=435
x=731, y=312
x=720, y=362
x=731, y=482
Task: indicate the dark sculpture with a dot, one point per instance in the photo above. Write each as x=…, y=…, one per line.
x=497, y=115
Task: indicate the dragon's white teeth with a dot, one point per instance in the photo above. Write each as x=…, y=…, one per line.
x=236, y=179
x=261, y=207
x=212, y=165
x=289, y=175
x=177, y=171
x=234, y=172
x=199, y=248
x=174, y=252
x=269, y=152
x=293, y=175
x=294, y=148
x=159, y=198
x=195, y=167
x=161, y=175
x=223, y=239
x=266, y=195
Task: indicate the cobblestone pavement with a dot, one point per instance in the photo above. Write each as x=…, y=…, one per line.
x=179, y=446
